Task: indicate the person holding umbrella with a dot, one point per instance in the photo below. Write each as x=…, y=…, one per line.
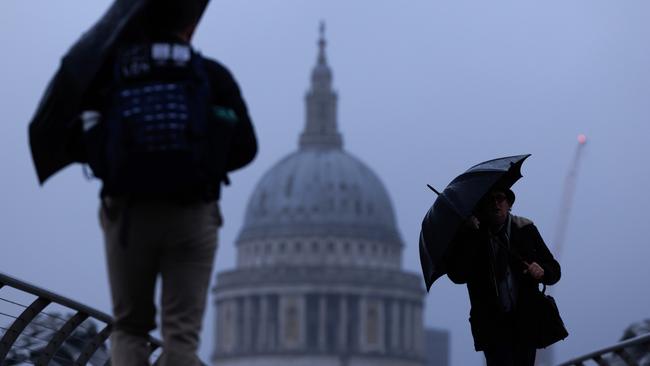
x=161, y=126
x=470, y=235
x=502, y=258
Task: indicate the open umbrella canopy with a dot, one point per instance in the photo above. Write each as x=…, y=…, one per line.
x=53, y=126
x=455, y=204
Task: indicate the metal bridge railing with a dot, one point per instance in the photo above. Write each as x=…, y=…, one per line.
x=618, y=354
x=38, y=327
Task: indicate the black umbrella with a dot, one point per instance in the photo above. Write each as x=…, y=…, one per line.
x=455, y=204
x=53, y=126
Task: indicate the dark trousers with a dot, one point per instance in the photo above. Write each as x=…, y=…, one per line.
x=510, y=355
x=509, y=350
x=176, y=243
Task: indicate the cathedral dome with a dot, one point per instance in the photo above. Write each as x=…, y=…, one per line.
x=321, y=191
x=320, y=205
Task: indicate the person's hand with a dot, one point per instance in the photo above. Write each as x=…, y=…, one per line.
x=535, y=270
x=472, y=222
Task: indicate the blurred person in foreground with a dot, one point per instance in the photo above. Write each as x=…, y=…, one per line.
x=162, y=128
x=502, y=258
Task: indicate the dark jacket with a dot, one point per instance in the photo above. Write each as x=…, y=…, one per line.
x=470, y=261
x=225, y=92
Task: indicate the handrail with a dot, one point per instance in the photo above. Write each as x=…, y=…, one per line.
x=618, y=348
x=40, y=292
x=57, y=337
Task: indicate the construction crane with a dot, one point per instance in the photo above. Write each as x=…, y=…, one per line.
x=567, y=198
x=546, y=357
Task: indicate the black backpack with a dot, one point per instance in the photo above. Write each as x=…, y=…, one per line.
x=159, y=136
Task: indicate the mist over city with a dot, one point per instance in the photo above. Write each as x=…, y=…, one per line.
x=423, y=91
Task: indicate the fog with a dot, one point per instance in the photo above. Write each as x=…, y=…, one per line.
x=426, y=89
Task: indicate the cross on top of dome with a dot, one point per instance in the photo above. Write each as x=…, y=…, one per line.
x=322, y=43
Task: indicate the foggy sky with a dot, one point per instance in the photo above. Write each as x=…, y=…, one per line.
x=426, y=89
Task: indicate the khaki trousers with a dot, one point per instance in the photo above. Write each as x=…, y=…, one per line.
x=147, y=239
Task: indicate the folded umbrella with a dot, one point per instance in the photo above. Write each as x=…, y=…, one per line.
x=455, y=204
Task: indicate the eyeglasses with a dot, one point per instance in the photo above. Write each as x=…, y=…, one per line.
x=498, y=197
x=495, y=197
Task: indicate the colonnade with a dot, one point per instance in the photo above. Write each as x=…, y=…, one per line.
x=314, y=323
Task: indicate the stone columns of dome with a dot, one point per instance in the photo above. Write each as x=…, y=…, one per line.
x=408, y=327
x=247, y=324
x=322, y=323
x=342, y=330
x=218, y=329
x=221, y=327
x=292, y=325
x=263, y=322
x=418, y=330
x=371, y=325
x=396, y=325
x=227, y=334
x=273, y=326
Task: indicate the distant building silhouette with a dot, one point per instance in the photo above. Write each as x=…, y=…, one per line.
x=437, y=347
x=318, y=279
x=545, y=357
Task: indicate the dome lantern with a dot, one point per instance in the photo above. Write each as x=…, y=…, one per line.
x=321, y=129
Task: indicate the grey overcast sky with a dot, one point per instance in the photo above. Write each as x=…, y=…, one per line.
x=427, y=88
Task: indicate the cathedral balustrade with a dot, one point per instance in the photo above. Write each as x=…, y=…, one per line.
x=325, y=277
x=42, y=328
x=331, y=251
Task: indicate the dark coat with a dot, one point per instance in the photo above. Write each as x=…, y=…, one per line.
x=225, y=92
x=470, y=261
